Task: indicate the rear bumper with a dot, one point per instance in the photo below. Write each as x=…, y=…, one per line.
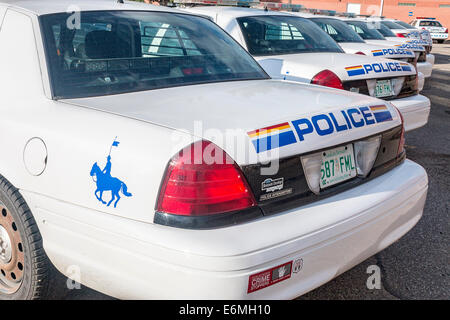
x=426, y=68
x=130, y=259
x=415, y=110
x=439, y=36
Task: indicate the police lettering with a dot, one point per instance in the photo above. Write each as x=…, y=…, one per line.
x=325, y=124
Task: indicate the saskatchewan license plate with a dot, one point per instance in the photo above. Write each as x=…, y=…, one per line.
x=383, y=88
x=338, y=165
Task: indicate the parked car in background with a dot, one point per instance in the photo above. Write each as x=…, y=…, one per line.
x=371, y=35
x=294, y=48
x=415, y=36
x=105, y=174
x=437, y=30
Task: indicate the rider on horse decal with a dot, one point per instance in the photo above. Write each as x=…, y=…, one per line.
x=105, y=182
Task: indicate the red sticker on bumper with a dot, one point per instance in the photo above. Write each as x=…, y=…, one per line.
x=269, y=277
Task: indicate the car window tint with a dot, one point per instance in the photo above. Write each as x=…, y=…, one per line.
x=272, y=35
x=113, y=52
x=338, y=30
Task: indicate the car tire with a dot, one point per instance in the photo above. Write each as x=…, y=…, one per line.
x=24, y=266
x=440, y=41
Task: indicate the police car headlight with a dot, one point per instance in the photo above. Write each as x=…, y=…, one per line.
x=366, y=152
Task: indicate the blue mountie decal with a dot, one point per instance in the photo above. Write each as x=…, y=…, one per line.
x=377, y=68
x=105, y=182
x=321, y=124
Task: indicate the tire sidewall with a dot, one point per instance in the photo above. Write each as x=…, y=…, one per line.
x=25, y=290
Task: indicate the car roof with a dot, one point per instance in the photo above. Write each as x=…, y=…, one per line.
x=235, y=12
x=42, y=7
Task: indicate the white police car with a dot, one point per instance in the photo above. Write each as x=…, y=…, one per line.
x=370, y=34
x=150, y=160
x=293, y=48
x=413, y=33
x=409, y=35
x=437, y=31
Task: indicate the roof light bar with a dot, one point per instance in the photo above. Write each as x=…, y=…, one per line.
x=346, y=14
x=233, y=3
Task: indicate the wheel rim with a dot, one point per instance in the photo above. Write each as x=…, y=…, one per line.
x=11, y=253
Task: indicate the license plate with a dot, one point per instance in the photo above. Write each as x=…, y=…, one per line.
x=383, y=88
x=338, y=165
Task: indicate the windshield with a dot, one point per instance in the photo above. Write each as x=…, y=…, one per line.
x=365, y=31
x=338, y=30
x=112, y=52
x=273, y=35
x=392, y=25
x=405, y=25
x=430, y=24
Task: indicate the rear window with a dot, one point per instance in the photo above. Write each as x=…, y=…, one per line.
x=113, y=52
x=430, y=24
x=338, y=30
x=365, y=31
x=405, y=25
x=273, y=35
x=381, y=28
x=392, y=25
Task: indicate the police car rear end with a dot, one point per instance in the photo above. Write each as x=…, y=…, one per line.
x=413, y=37
x=239, y=186
x=370, y=34
x=437, y=31
x=305, y=53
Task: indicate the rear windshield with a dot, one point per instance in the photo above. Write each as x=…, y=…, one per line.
x=430, y=24
x=381, y=28
x=405, y=25
x=112, y=52
x=365, y=31
x=338, y=30
x=392, y=25
x=273, y=35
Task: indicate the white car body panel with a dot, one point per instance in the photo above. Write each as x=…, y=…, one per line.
x=120, y=251
x=304, y=66
x=243, y=98
x=193, y=264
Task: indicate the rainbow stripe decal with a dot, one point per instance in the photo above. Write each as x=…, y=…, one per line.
x=381, y=113
x=405, y=67
x=377, y=53
x=272, y=137
x=355, y=70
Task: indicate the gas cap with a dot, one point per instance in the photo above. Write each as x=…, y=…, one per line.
x=35, y=156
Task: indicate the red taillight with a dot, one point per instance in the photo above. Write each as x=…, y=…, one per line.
x=401, y=35
x=446, y=30
x=328, y=79
x=203, y=180
x=361, y=53
x=401, y=144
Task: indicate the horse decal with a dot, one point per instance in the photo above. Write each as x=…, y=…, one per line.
x=105, y=182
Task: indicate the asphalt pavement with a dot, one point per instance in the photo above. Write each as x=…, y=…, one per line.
x=418, y=265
